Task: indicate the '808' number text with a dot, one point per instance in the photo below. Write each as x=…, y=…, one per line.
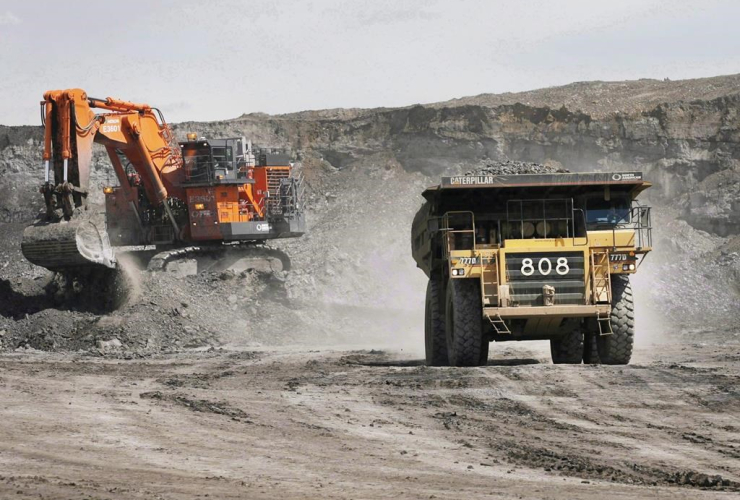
x=545, y=266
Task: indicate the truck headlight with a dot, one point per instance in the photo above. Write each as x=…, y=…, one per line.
x=458, y=272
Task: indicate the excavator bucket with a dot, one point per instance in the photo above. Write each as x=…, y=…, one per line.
x=63, y=245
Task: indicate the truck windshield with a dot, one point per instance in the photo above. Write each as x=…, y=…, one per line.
x=612, y=212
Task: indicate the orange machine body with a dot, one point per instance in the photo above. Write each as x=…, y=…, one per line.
x=226, y=204
x=169, y=193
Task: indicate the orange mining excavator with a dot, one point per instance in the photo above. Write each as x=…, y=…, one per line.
x=193, y=195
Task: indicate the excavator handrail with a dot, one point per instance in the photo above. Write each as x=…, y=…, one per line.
x=114, y=104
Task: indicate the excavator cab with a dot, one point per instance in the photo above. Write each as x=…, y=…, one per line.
x=229, y=193
x=206, y=160
x=236, y=193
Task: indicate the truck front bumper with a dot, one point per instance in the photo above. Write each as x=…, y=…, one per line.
x=566, y=311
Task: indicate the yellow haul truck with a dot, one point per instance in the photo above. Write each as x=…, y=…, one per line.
x=531, y=257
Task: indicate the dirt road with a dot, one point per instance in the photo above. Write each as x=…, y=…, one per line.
x=298, y=423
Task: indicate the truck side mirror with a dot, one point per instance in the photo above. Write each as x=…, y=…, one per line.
x=432, y=225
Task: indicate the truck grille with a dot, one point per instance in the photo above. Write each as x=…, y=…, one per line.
x=562, y=270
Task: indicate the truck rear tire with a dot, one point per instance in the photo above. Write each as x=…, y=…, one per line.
x=464, y=323
x=567, y=349
x=616, y=349
x=485, y=344
x=435, y=336
x=590, y=349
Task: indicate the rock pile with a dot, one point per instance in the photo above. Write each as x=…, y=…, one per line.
x=510, y=167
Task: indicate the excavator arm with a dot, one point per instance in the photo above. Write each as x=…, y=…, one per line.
x=67, y=236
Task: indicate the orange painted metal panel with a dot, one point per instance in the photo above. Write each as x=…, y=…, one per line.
x=204, y=223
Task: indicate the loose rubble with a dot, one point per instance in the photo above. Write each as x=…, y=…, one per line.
x=509, y=167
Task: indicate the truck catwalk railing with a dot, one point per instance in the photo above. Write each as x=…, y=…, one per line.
x=459, y=239
x=640, y=215
x=640, y=222
x=540, y=218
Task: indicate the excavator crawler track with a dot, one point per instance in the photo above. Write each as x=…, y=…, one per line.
x=221, y=258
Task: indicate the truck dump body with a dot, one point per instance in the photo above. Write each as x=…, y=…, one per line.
x=539, y=250
x=531, y=180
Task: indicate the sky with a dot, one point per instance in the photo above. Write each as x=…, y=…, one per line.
x=210, y=60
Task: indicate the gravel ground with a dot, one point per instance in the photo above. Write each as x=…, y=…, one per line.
x=333, y=422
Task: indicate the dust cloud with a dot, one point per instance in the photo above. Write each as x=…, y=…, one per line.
x=129, y=269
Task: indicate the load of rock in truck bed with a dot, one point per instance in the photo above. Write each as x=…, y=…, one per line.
x=509, y=167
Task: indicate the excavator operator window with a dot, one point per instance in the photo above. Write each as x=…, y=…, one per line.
x=223, y=156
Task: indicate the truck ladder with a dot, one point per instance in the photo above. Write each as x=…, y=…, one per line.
x=498, y=323
x=489, y=281
x=601, y=289
x=605, y=324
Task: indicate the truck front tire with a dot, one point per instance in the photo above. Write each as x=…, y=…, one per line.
x=464, y=323
x=616, y=349
x=435, y=337
x=567, y=349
